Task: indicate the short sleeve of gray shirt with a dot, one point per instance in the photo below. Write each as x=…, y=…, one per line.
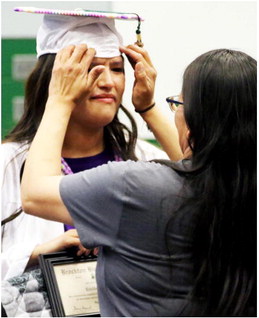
x=95, y=197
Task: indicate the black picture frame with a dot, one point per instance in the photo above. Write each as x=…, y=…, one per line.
x=66, y=264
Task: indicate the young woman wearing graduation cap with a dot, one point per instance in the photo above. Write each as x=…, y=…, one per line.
x=94, y=136
x=177, y=239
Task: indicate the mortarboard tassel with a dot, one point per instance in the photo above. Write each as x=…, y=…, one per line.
x=138, y=33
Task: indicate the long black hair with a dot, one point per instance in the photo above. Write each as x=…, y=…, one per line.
x=220, y=95
x=121, y=138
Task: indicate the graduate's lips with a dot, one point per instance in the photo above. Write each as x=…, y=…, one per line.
x=105, y=98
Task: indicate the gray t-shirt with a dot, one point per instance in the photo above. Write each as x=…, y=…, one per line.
x=125, y=208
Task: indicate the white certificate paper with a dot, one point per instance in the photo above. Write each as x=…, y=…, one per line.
x=77, y=287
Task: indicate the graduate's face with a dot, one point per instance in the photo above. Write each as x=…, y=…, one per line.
x=102, y=102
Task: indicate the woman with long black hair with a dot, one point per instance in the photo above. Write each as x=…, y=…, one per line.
x=176, y=238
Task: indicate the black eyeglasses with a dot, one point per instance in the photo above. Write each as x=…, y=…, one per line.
x=173, y=102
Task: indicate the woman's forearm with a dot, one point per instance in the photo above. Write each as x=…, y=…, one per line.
x=39, y=186
x=45, y=151
x=143, y=96
x=165, y=132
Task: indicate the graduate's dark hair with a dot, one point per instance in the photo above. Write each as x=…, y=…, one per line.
x=118, y=135
x=220, y=95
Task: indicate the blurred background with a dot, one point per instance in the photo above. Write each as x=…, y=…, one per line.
x=174, y=33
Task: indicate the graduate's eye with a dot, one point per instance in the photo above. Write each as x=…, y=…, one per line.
x=118, y=69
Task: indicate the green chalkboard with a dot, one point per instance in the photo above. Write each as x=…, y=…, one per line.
x=18, y=58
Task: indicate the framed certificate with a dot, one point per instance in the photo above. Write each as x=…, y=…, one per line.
x=71, y=284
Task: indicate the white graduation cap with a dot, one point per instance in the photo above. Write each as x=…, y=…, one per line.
x=61, y=28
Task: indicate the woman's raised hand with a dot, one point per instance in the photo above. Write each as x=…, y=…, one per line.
x=70, y=78
x=145, y=76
